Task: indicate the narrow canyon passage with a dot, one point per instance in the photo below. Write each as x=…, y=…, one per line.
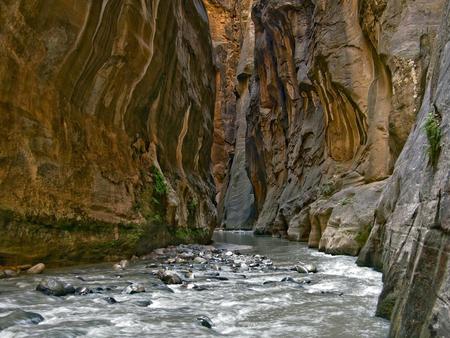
x=135, y=134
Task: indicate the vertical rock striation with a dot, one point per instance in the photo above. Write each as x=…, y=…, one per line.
x=106, y=120
x=232, y=33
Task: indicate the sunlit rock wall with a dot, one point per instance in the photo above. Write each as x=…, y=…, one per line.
x=106, y=117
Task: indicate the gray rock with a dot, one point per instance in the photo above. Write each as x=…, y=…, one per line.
x=54, y=287
x=110, y=300
x=20, y=317
x=134, y=288
x=169, y=277
x=205, y=321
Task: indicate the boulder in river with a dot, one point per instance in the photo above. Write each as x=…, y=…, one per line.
x=134, y=288
x=169, y=277
x=54, y=287
x=205, y=321
x=37, y=269
x=20, y=317
x=305, y=268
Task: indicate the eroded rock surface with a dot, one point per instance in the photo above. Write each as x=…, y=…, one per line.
x=232, y=33
x=340, y=95
x=106, y=115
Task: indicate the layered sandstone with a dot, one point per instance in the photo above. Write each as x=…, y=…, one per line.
x=106, y=111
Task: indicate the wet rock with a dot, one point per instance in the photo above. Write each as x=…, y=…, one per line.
x=134, y=288
x=205, y=321
x=122, y=265
x=305, y=268
x=20, y=317
x=37, y=269
x=169, y=277
x=54, y=287
x=8, y=273
x=200, y=260
x=161, y=287
x=110, y=300
x=82, y=291
x=288, y=279
x=143, y=303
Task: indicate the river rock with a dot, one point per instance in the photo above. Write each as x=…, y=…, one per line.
x=169, y=277
x=305, y=268
x=205, y=321
x=143, y=303
x=82, y=291
x=200, y=260
x=122, y=265
x=37, y=269
x=54, y=287
x=20, y=317
x=134, y=288
x=110, y=300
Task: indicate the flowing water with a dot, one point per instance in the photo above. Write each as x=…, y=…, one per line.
x=340, y=301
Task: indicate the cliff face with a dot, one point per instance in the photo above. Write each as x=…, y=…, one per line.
x=410, y=238
x=232, y=33
x=340, y=95
x=106, y=114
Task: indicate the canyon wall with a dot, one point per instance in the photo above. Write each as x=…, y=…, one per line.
x=232, y=34
x=347, y=142
x=106, y=117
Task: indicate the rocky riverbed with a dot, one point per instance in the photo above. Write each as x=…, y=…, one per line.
x=242, y=286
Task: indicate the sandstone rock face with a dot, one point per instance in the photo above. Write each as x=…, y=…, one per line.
x=106, y=117
x=232, y=32
x=410, y=239
x=339, y=96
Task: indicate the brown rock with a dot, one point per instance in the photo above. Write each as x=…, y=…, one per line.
x=99, y=105
x=36, y=269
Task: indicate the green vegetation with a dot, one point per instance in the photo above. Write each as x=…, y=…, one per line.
x=363, y=235
x=327, y=189
x=347, y=200
x=160, y=186
x=433, y=131
x=192, y=209
x=186, y=235
x=152, y=200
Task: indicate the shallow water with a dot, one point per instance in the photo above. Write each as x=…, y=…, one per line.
x=238, y=307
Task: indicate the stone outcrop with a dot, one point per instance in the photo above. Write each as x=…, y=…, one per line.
x=232, y=35
x=106, y=117
x=343, y=96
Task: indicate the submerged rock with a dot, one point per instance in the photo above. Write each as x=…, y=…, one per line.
x=20, y=317
x=110, y=300
x=54, y=287
x=143, y=303
x=205, y=321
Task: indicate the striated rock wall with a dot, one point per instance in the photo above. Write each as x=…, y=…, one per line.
x=340, y=94
x=232, y=33
x=410, y=239
x=106, y=117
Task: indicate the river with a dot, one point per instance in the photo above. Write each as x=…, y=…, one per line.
x=339, y=301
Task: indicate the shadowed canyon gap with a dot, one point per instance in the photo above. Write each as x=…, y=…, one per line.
x=311, y=118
